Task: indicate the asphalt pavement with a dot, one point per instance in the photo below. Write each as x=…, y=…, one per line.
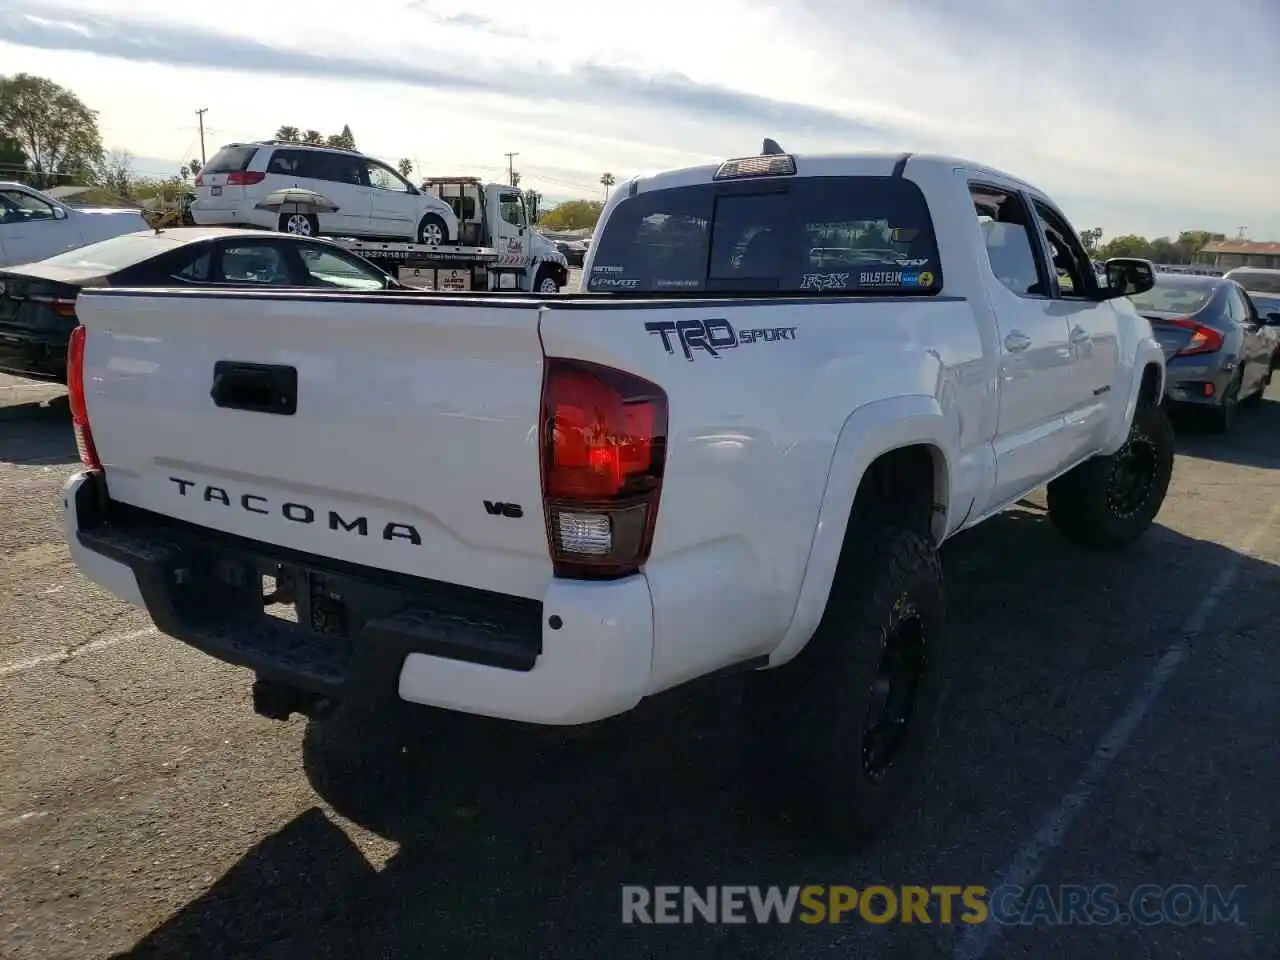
x=1110, y=720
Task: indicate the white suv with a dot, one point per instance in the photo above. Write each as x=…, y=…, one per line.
x=373, y=201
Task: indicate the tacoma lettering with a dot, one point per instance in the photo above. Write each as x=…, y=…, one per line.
x=304, y=513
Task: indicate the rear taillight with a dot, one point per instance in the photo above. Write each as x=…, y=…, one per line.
x=75, y=396
x=1203, y=339
x=604, y=446
x=62, y=306
x=244, y=178
x=199, y=180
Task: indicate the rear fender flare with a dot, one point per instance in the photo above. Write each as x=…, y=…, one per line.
x=870, y=431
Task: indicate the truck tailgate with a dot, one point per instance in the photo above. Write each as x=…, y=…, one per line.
x=413, y=445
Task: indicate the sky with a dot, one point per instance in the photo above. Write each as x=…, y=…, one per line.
x=1136, y=116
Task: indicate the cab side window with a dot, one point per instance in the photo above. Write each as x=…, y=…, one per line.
x=1010, y=240
x=1071, y=264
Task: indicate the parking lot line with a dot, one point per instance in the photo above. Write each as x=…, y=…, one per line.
x=62, y=656
x=1031, y=856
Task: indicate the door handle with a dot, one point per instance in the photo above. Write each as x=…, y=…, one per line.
x=1079, y=335
x=256, y=387
x=1016, y=342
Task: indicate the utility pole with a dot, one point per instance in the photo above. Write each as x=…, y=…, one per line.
x=511, y=167
x=200, y=116
x=1240, y=233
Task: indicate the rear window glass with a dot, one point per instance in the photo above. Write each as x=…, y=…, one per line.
x=1173, y=297
x=865, y=235
x=115, y=253
x=1264, y=281
x=229, y=159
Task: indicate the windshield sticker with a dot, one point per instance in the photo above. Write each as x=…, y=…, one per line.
x=613, y=283
x=712, y=336
x=824, y=281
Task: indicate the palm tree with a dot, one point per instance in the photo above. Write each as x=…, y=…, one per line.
x=288, y=133
x=607, y=180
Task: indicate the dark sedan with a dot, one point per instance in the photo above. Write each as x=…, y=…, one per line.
x=1217, y=351
x=38, y=300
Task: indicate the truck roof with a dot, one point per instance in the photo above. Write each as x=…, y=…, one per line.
x=857, y=163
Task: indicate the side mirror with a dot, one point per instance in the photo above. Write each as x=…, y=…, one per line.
x=1127, y=277
x=59, y=213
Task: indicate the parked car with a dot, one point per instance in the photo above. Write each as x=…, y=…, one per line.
x=372, y=200
x=1268, y=307
x=574, y=251
x=38, y=300
x=1261, y=279
x=548, y=510
x=1217, y=349
x=33, y=225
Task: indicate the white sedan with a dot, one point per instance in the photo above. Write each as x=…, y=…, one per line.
x=34, y=226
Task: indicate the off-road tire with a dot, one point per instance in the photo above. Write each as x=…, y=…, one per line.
x=805, y=721
x=1080, y=502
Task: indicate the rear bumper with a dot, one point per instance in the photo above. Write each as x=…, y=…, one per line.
x=1192, y=381
x=366, y=635
x=33, y=355
x=232, y=215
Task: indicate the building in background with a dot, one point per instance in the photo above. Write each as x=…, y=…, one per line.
x=1229, y=254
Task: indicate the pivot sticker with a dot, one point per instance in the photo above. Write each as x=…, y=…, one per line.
x=613, y=283
x=712, y=336
x=824, y=281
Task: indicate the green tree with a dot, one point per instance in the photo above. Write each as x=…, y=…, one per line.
x=13, y=159
x=56, y=132
x=1191, y=242
x=114, y=173
x=291, y=134
x=313, y=136
x=572, y=215
x=1091, y=238
x=1129, y=245
x=345, y=140
x=405, y=166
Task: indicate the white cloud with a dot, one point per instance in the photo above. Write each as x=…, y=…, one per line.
x=1137, y=116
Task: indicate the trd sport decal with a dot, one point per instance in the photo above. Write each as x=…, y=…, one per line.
x=712, y=336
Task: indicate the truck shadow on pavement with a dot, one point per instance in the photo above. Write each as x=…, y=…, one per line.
x=514, y=841
x=37, y=432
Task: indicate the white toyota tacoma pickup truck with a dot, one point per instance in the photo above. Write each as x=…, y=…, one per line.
x=789, y=380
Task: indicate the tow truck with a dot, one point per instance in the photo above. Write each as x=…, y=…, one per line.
x=498, y=248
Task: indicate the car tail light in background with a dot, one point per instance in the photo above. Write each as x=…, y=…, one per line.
x=244, y=178
x=1203, y=339
x=62, y=306
x=199, y=180
x=75, y=396
x=604, y=446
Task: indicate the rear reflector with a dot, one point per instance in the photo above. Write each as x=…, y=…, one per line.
x=604, y=441
x=76, y=400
